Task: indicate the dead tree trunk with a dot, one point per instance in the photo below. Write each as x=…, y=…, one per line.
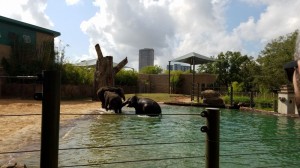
x=105, y=72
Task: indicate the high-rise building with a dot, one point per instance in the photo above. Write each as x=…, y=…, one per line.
x=178, y=67
x=146, y=57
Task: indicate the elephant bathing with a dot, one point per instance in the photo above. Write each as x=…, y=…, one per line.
x=144, y=106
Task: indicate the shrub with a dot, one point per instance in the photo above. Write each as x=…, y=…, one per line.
x=71, y=74
x=236, y=99
x=126, y=77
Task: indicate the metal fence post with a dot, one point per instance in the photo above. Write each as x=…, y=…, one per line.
x=212, y=130
x=231, y=96
x=198, y=92
x=50, y=119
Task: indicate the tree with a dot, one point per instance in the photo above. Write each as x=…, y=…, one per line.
x=151, y=70
x=227, y=66
x=249, y=71
x=276, y=53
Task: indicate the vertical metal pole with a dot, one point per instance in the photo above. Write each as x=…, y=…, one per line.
x=231, y=96
x=169, y=77
x=193, y=88
x=212, y=130
x=50, y=119
x=275, y=103
x=198, y=92
x=251, y=99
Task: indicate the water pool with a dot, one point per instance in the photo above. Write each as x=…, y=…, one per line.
x=247, y=140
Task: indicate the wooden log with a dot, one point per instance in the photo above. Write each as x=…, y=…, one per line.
x=120, y=65
x=105, y=72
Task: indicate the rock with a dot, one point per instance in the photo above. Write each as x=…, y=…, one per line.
x=209, y=94
x=216, y=101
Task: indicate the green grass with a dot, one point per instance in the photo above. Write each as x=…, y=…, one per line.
x=159, y=97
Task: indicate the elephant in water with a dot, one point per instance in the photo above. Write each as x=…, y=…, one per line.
x=144, y=106
x=117, y=90
x=113, y=101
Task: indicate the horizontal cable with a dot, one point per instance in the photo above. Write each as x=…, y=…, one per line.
x=20, y=77
x=260, y=153
x=129, y=114
x=129, y=145
x=135, y=161
x=12, y=152
x=254, y=140
x=102, y=147
x=282, y=165
x=95, y=114
x=19, y=115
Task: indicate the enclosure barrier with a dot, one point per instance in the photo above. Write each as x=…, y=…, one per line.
x=211, y=129
x=235, y=141
x=52, y=105
x=50, y=119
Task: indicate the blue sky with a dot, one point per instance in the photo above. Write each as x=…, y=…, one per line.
x=171, y=27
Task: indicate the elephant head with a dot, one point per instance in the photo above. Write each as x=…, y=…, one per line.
x=118, y=90
x=102, y=90
x=132, y=101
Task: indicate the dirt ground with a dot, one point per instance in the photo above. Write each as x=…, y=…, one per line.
x=17, y=131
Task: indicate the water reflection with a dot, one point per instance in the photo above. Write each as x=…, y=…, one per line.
x=247, y=140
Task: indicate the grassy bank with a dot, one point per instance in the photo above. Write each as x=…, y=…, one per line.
x=160, y=97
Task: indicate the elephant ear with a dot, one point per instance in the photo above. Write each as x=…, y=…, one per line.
x=121, y=93
x=100, y=92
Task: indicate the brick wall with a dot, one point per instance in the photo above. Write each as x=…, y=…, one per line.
x=160, y=83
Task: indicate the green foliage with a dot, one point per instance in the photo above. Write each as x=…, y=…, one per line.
x=237, y=87
x=176, y=81
x=237, y=99
x=126, y=77
x=151, y=70
x=264, y=103
x=276, y=53
x=71, y=74
x=229, y=67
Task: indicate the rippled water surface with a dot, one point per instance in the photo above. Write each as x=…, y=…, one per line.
x=247, y=140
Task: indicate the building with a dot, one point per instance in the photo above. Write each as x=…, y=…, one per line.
x=178, y=67
x=27, y=39
x=146, y=57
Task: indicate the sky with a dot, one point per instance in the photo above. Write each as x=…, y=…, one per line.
x=171, y=27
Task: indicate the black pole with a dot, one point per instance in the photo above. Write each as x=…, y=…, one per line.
x=198, y=92
x=251, y=99
x=212, y=130
x=169, y=77
x=193, y=89
x=50, y=119
x=231, y=95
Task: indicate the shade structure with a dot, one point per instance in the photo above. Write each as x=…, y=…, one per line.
x=192, y=59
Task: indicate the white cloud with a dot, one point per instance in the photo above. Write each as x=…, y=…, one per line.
x=72, y=2
x=29, y=11
x=278, y=19
x=171, y=28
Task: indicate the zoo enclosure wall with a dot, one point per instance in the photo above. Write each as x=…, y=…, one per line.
x=147, y=83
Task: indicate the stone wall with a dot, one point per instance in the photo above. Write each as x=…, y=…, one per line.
x=203, y=79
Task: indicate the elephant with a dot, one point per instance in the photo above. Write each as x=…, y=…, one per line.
x=113, y=101
x=100, y=93
x=144, y=106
